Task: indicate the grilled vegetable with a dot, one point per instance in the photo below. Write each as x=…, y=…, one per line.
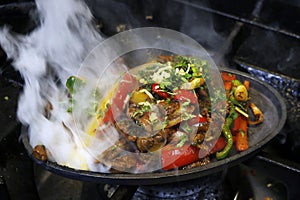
x=219, y=145
x=185, y=95
x=127, y=85
x=195, y=83
x=227, y=79
x=241, y=93
x=157, y=90
x=257, y=113
x=175, y=157
x=169, y=112
x=73, y=82
x=227, y=134
x=241, y=138
x=138, y=97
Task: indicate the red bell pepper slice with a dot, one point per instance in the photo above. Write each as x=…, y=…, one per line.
x=157, y=90
x=241, y=142
x=185, y=95
x=127, y=85
x=239, y=129
x=174, y=157
x=219, y=145
x=108, y=117
x=227, y=79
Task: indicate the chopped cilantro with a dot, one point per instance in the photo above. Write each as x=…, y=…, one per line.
x=183, y=139
x=73, y=83
x=187, y=116
x=142, y=109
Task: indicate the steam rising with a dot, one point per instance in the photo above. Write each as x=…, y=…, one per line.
x=46, y=58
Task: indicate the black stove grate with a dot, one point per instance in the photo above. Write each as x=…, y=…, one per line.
x=209, y=187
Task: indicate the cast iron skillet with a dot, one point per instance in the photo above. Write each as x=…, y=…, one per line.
x=263, y=95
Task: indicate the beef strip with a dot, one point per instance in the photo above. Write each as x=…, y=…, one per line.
x=175, y=111
x=201, y=162
x=153, y=143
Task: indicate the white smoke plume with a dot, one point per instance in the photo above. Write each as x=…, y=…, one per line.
x=46, y=58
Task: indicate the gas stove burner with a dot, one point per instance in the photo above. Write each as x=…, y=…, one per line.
x=209, y=187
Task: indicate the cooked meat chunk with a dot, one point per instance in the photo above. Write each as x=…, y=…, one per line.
x=124, y=162
x=119, y=156
x=149, y=116
x=40, y=153
x=164, y=114
x=153, y=143
x=129, y=129
x=199, y=163
x=175, y=111
x=198, y=138
x=202, y=128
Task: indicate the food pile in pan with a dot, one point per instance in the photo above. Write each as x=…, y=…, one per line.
x=165, y=107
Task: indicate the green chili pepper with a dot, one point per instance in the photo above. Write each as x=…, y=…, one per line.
x=236, y=83
x=227, y=134
x=183, y=140
x=235, y=102
x=70, y=84
x=73, y=83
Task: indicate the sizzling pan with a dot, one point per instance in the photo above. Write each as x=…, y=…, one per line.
x=263, y=95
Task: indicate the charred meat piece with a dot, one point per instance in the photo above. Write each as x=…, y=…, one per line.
x=118, y=149
x=146, y=144
x=124, y=162
x=129, y=129
x=119, y=156
x=47, y=110
x=112, y=152
x=175, y=111
x=198, y=139
x=122, y=157
x=148, y=115
x=40, y=152
x=203, y=128
x=201, y=162
x=169, y=133
x=158, y=140
x=164, y=114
